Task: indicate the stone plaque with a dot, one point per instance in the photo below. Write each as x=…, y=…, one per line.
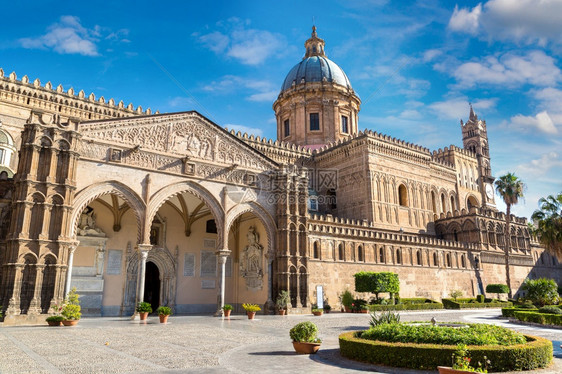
x=114, y=261
x=209, y=243
x=189, y=265
x=207, y=283
x=208, y=264
x=320, y=297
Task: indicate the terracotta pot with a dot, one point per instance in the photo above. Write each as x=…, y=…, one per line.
x=163, y=318
x=227, y=312
x=54, y=323
x=70, y=322
x=251, y=315
x=281, y=312
x=326, y=311
x=347, y=310
x=143, y=316
x=448, y=370
x=364, y=311
x=306, y=348
x=317, y=313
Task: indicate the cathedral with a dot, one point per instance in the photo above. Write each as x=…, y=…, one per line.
x=128, y=205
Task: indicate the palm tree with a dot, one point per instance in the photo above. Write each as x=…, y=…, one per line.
x=549, y=223
x=510, y=188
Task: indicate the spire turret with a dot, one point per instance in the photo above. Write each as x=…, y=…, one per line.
x=314, y=46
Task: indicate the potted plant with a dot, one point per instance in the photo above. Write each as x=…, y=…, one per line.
x=251, y=310
x=55, y=320
x=71, y=309
x=164, y=312
x=317, y=311
x=227, y=309
x=461, y=363
x=282, y=302
x=327, y=308
x=143, y=308
x=360, y=306
x=347, y=300
x=305, y=337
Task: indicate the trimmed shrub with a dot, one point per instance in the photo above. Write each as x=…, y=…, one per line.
x=497, y=288
x=480, y=298
x=428, y=304
x=550, y=310
x=541, y=318
x=536, y=353
x=472, y=303
x=473, y=334
x=368, y=281
x=510, y=312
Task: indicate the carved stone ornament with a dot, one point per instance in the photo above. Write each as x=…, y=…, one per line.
x=87, y=225
x=251, y=261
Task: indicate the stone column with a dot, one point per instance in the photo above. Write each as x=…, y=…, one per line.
x=270, y=305
x=35, y=305
x=14, y=304
x=143, y=252
x=222, y=255
x=71, y=249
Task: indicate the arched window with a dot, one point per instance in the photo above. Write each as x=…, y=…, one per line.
x=463, y=261
x=381, y=255
x=443, y=208
x=452, y=204
x=402, y=195
x=360, y=253
x=316, y=250
x=435, y=259
x=448, y=260
x=433, y=202
x=419, y=257
x=471, y=202
x=398, y=257
x=340, y=252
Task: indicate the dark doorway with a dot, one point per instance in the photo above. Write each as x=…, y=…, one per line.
x=152, y=285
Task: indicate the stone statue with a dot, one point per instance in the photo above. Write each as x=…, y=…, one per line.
x=251, y=261
x=87, y=224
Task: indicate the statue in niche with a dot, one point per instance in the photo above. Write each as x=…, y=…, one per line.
x=251, y=261
x=87, y=224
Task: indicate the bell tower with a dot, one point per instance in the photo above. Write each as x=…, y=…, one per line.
x=475, y=139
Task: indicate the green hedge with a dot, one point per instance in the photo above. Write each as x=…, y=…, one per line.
x=427, y=304
x=464, y=304
x=384, y=281
x=510, y=312
x=536, y=353
x=542, y=318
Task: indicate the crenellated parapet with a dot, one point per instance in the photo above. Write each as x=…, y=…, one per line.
x=279, y=151
x=24, y=93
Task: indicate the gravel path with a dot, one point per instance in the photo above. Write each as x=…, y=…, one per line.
x=201, y=344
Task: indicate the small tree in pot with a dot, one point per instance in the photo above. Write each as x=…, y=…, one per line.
x=71, y=308
x=282, y=302
x=227, y=309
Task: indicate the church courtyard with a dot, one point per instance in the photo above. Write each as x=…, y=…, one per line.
x=204, y=344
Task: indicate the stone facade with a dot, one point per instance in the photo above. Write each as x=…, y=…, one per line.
x=128, y=205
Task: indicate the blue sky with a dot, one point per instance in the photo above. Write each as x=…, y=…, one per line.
x=415, y=64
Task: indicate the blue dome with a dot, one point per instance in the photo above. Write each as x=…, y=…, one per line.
x=315, y=69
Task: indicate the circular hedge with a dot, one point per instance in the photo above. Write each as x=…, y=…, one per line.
x=535, y=353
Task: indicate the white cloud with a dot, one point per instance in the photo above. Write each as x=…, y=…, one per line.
x=67, y=36
x=262, y=90
x=521, y=21
x=458, y=108
x=541, y=166
x=510, y=69
x=245, y=129
x=466, y=20
x=431, y=54
x=180, y=101
x=249, y=46
x=541, y=122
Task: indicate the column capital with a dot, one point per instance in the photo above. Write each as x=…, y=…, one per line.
x=223, y=252
x=144, y=248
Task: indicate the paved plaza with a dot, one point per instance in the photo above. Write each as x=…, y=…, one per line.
x=204, y=344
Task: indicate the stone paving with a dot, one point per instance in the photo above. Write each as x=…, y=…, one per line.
x=203, y=344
